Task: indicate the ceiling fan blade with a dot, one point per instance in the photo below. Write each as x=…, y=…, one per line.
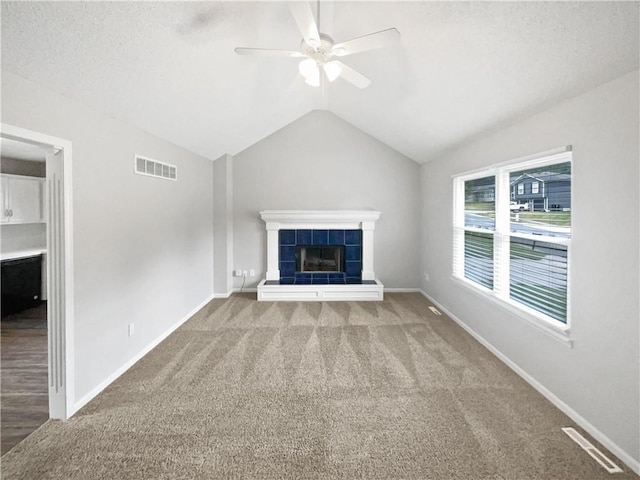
x=267, y=52
x=352, y=76
x=303, y=16
x=381, y=39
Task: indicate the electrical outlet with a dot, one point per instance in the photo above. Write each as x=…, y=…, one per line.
x=131, y=329
x=244, y=273
x=252, y=273
x=237, y=273
x=426, y=277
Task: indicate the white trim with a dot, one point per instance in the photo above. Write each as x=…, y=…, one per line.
x=402, y=290
x=622, y=455
x=356, y=292
x=60, y=401
x=69, y=278
x=154, y=343
x=255, y=290
x=548, y=156
x=299, y=218
x=223, y=295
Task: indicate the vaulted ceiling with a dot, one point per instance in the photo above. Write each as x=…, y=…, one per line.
x=460, y=70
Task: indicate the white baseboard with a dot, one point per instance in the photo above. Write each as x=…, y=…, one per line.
x=625, y=457
x=402, y=290
x=111, y=378
x=245, y=290
x=327, y=292
x=223, y=295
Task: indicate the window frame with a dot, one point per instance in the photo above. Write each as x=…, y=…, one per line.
x=536, y=190
x=520, y=188
x=502, y=235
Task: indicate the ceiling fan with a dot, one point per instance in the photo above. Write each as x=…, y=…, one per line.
x=320, y=51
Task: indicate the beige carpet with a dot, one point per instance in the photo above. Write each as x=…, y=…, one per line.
x=342, y=390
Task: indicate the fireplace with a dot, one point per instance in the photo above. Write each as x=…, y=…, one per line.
x=331, y=256
x=319, y=259
x=320, y=254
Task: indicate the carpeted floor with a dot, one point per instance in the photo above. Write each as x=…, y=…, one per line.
x=342, y=390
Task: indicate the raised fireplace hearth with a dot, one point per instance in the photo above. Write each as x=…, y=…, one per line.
x=320, y=255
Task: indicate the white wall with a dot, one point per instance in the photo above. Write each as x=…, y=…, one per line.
x=599, y=377
x=22, y=237
x=143, y=247
x=321, y=162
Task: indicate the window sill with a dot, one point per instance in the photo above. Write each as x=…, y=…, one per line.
x=559, y=333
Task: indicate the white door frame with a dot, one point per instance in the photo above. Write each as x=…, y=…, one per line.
x=60, y=319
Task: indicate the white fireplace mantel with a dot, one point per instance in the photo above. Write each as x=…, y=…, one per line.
x=277, y=220
x=316, y=219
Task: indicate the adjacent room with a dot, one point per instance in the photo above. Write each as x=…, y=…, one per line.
x=327, y=239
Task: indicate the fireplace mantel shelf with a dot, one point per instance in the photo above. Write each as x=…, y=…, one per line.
x=315, y=217
x=276, y=220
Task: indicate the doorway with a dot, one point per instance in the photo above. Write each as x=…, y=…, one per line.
x=57, y=263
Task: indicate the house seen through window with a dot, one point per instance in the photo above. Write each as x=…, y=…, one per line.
x=512, y=234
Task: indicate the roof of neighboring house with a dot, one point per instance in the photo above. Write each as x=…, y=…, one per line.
x=545, y=177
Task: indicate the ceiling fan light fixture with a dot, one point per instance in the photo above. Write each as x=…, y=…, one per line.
x=310, y=71
x=322, y=53
x=313, y=81
x=332, y=70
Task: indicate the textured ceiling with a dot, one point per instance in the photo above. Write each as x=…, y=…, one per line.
x=460, y=70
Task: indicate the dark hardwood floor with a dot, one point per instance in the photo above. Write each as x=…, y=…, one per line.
x=24, y=400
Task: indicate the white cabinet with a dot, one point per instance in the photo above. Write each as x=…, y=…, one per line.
x=22, y=199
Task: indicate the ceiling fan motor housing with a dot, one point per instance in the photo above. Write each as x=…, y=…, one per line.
x=320, y=54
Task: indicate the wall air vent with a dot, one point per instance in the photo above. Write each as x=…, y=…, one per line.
x=153, y=168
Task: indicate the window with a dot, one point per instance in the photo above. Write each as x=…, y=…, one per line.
x=517, y=257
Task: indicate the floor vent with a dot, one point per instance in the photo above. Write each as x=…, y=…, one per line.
x=153, y=168
x=586, y=445
x=435, y=310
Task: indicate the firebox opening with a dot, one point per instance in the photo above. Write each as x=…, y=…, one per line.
x=320, y=259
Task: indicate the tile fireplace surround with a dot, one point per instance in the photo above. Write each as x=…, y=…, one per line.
x=352, y=229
